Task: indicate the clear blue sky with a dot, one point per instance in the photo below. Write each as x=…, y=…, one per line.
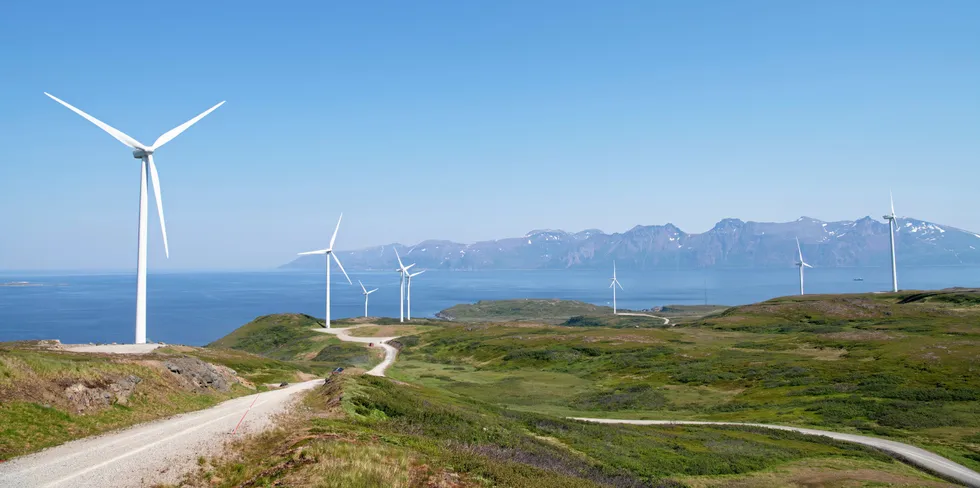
x=474, y=120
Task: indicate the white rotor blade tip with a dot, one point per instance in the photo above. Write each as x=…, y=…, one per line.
x=172, y=133
x=362, y=286
x=116, y=133
x=334, y=238
x=335, y=258
x=155, y=178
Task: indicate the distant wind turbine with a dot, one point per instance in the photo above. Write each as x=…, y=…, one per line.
x=613, y=284
x=409, y=292
x=365, y=292
x=402, y=272
x=892, y=225
x=802, y=264
x=145, y=154
x=328, y=252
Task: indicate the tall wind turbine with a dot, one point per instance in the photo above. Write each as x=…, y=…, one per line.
x=892, y=227
x=614, y=283
x=328, y=252
x=145, y=154
x=802, y=264
x=365, y=292
x=409, y=292
x=402, y=272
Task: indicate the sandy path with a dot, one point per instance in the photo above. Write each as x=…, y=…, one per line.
x=910, y=454
x=154, y=452
x=390, y=351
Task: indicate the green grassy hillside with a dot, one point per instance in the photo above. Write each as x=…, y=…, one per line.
x=553, y=311
x=895, y=365
x=373, y=432
x=292, y=337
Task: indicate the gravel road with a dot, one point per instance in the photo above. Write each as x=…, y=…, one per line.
x=147, y=454
x=390, y=351
x=911, y=454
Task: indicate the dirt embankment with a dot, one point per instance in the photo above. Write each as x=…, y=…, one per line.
x=106, y=381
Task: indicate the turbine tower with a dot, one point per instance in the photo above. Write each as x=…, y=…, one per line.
x=145, y=154
x=892, y=227
x=365, y=292
x=409, y=292
x=802, y=264
x=614, y=283
x=402, y=273
x=328, y=252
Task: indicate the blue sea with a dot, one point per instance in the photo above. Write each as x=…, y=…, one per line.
x=198, y=307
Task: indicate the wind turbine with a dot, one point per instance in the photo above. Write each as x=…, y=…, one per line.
x=892, y=227
x=402, y=272
x=365, y=292
x=801, y=263
x=409, y=293
x=614, y=283
x=327, y=253
x=145, y=154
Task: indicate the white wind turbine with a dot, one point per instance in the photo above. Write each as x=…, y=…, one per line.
x=328, y=252
x=145, y=154
x=802, y=264
x=613, y=284
x=402, y=273
x=365, y=292
x=409, y=292
x=892, y=227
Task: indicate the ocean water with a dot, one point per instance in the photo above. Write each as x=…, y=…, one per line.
x=196, y=308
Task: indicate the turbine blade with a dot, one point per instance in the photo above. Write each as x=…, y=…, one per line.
x=118, y=134
x=807, y=265
x=321, y=251
x=170, y=134
x=409, y=266
x=620, y=285
x=892, y=200
x=399, y=258
x=372, y=291
x=416, y=274
x=335, y=258
x=334, y=238
x=362, y=286
x=155, y=178
x=798, y=250
x=612, y=284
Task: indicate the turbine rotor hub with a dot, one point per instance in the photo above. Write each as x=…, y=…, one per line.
x=141, y=153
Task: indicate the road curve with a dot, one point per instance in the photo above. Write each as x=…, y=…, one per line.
x=152, y=453
x=634, y=314
x=390, y=351
x=910, y=454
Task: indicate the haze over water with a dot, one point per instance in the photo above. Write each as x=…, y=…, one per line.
x=196, y=308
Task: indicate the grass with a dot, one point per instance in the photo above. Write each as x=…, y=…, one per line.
x=390, y=330
x=902, y=366
x=362, y=431
x=36, y=412
x=549, y=311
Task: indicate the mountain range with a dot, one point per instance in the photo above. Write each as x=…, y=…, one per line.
x=730, y=243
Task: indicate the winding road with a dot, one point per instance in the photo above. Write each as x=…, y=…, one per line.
x=390, y=351
x=157, y=452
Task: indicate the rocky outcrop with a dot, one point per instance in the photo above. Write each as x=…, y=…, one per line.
x=91, y=395
x=197, y=373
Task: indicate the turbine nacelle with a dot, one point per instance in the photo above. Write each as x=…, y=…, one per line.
x=140, y=153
